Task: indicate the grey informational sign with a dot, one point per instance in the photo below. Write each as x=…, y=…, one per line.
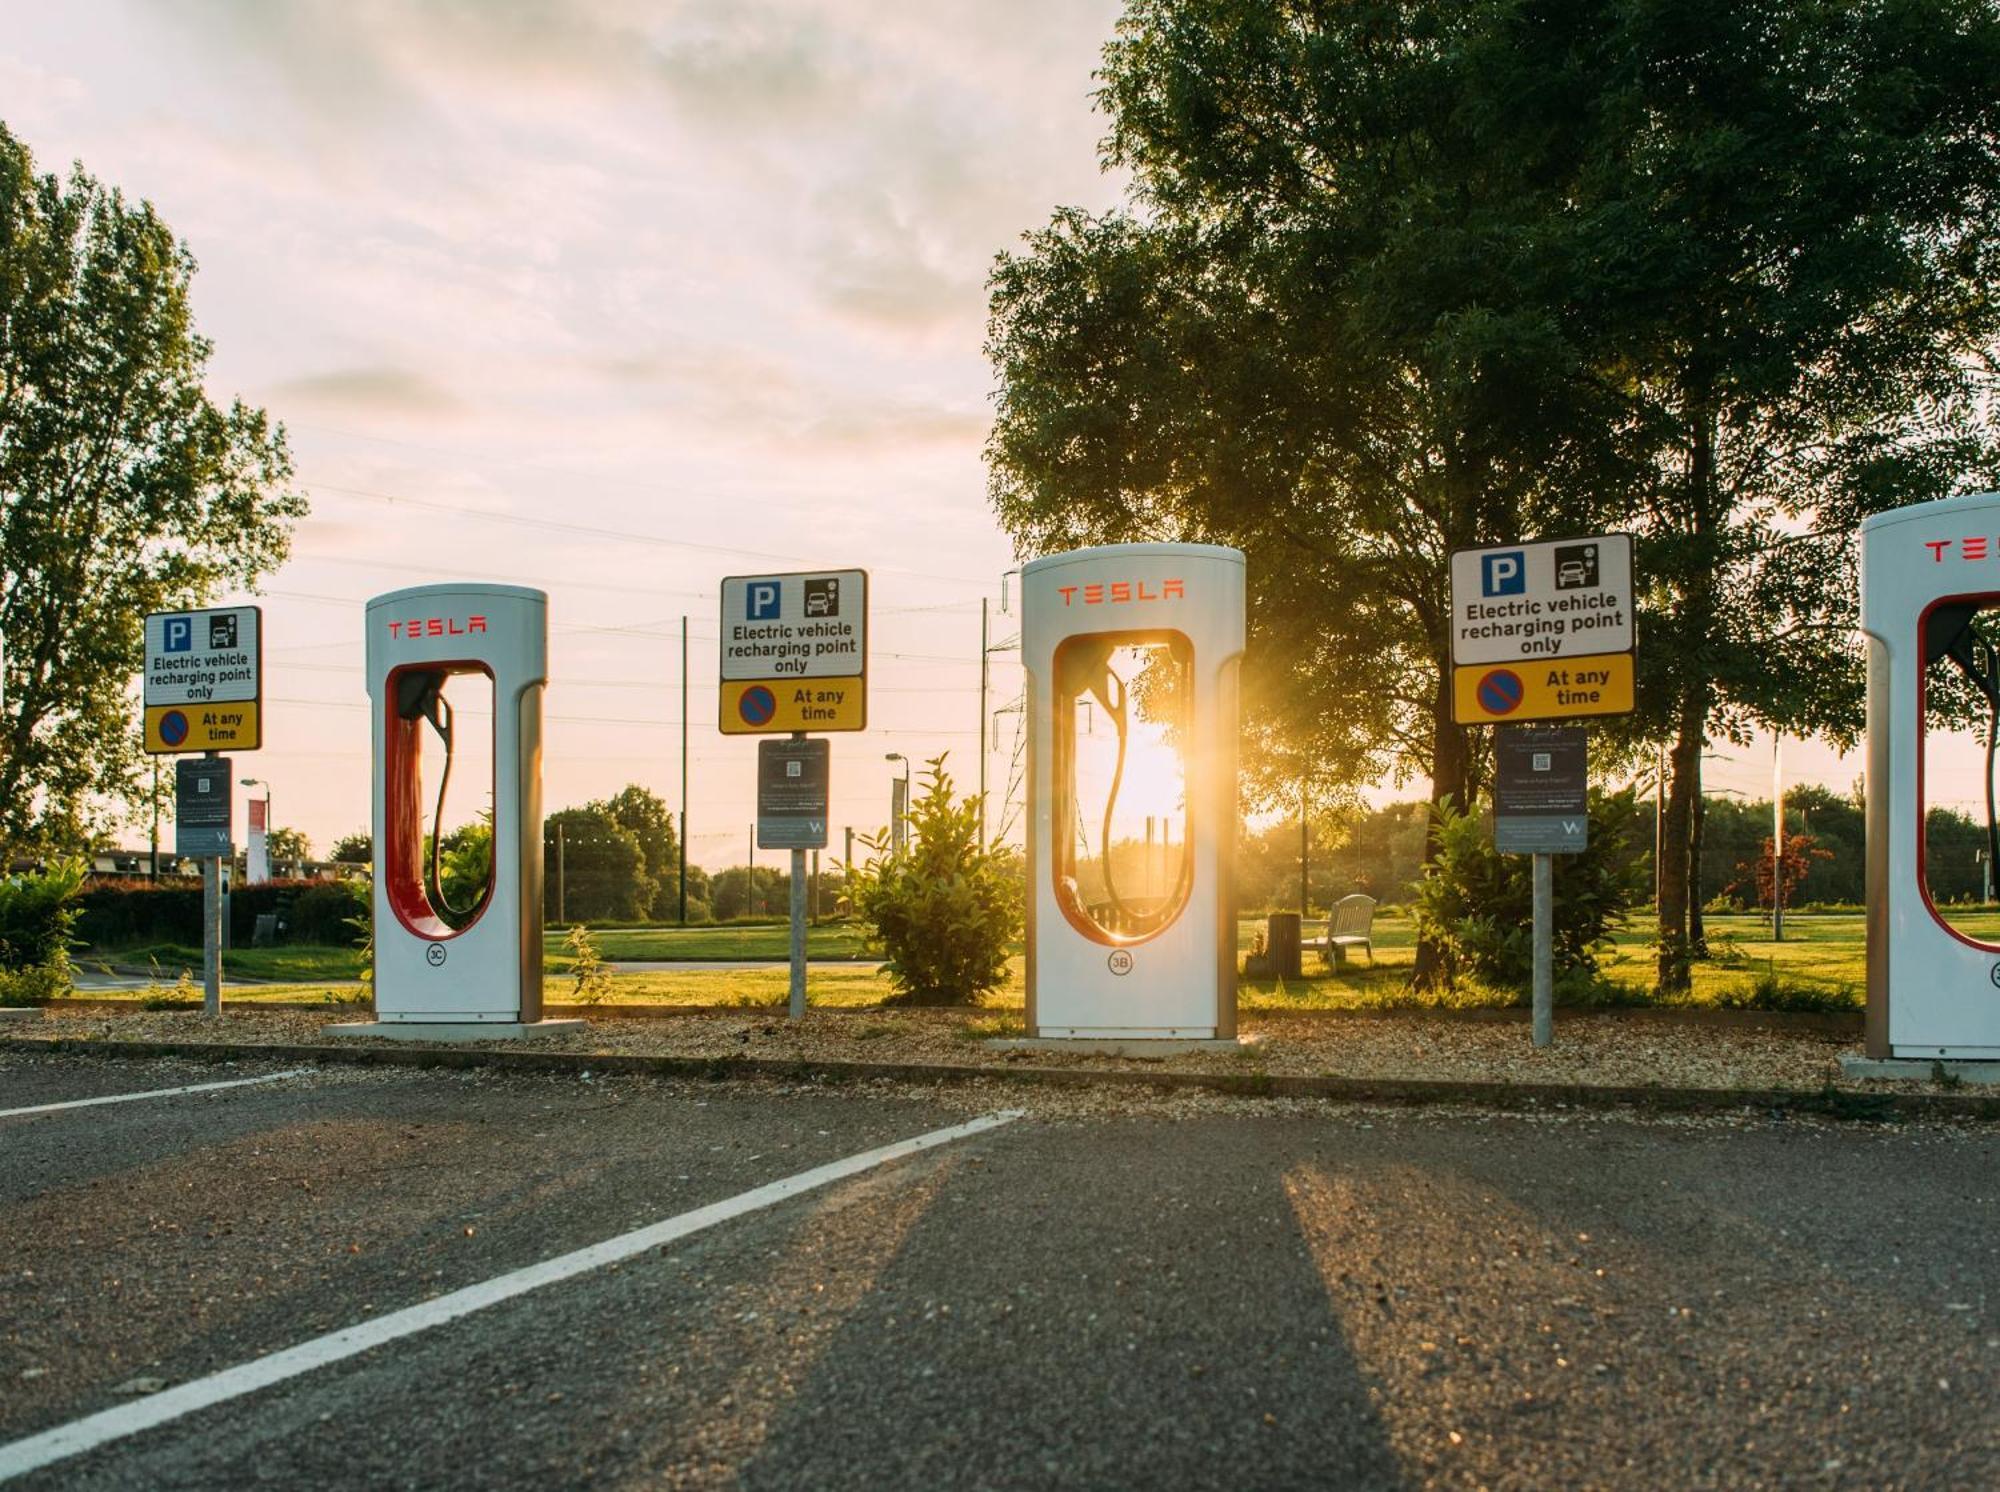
x=202, y=808
x=1541, y=789
x=1542, y=834
x=793, y=781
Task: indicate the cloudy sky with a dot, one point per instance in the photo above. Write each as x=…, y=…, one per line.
x=613, y=298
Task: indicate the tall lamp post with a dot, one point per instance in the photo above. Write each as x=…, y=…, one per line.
x=269, y=822
x=899, y=803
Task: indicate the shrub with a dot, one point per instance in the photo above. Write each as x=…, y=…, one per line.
x=1478, y=904
x=322, y=913
x=37, y=930
x=945, y=911
x=590, y=979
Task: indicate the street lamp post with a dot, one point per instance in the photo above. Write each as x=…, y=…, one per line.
x=899, y=803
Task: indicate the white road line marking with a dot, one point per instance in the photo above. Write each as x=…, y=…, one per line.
x=37, y=1451
x=90, y=1103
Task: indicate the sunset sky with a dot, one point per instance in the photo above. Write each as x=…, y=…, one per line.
x=614, y=299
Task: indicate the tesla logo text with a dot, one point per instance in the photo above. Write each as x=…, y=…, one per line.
x=437, y=626
x=1976, y=547
x=1118, y=592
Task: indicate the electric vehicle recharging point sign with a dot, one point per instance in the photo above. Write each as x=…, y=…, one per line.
x=1542, y=631
x=794, y=653
x=204, y=680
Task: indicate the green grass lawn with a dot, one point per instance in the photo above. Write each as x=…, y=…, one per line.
x=1820, y=965
x=718, y=944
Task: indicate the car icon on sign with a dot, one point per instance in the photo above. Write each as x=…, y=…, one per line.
x=1572, y=573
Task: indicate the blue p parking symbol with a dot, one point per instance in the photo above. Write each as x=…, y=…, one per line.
x=1502, y=574
x=764, y=598
x=179, y=636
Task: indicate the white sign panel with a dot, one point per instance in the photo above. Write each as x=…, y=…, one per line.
x=203, y=657
x=1559, y=598
x=806, y=626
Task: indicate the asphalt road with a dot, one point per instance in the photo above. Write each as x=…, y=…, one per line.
x=1207, y=1295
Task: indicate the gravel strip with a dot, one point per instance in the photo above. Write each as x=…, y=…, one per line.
x=1593, y=1050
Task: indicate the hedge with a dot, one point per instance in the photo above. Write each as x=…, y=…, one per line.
x=123, y=914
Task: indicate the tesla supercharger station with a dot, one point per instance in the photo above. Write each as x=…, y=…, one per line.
x=457, y=961
x=1926, y=573
x=1132, y=653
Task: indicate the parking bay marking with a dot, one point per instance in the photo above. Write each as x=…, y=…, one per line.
x=92, y=1431
x=90, y=1103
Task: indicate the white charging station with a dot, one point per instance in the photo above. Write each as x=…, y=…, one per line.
x=470, y=970
x=1132, y=653
x=1926, y=571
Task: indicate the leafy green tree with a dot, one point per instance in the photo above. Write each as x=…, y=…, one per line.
x=1328, y=335
x=593, y=869
x=645, y=815
x=357, y=848
x=946, y=911
x=1419, y=274
x=1779, y=250
x=124, y=488
x=287, y=847
x=736, y=893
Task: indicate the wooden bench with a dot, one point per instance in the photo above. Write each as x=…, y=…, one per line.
x=1350, y=926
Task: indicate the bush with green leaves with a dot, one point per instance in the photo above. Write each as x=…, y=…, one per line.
x=944, y=912
x=1478, y=904
x=37, y=930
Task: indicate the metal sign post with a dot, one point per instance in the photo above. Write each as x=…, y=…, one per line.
x=1545, y=951
x=1542, y=632
x=202, y=801
x=794, y=779
x=1541, y=803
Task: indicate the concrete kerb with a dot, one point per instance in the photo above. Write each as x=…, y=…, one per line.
x=1828, y=1102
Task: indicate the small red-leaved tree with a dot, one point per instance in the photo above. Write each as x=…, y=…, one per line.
x=1800, y=851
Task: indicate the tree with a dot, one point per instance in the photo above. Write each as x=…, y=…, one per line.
x=736, y=893
x=357, y=848
x=287, y=847
x=1783, y=261
x=124, y=488
x=1759, y=875
x=1329, y=336
x=1410, y=276
x=645, y=815
x=593, y=869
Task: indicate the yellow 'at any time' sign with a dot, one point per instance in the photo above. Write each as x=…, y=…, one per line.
x=1559, y=689
x=218, y=727
x=755, y=707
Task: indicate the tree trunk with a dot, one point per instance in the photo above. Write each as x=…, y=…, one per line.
x=1680, y=836
x=1451, y=777
x=1697, y=932
x=1677, y=843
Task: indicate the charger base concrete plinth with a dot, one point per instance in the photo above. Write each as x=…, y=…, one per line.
x=1920, y=1069
x=1123, y=1046
x=453, y=1030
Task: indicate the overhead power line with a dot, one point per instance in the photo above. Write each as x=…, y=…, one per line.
x=595, y=531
